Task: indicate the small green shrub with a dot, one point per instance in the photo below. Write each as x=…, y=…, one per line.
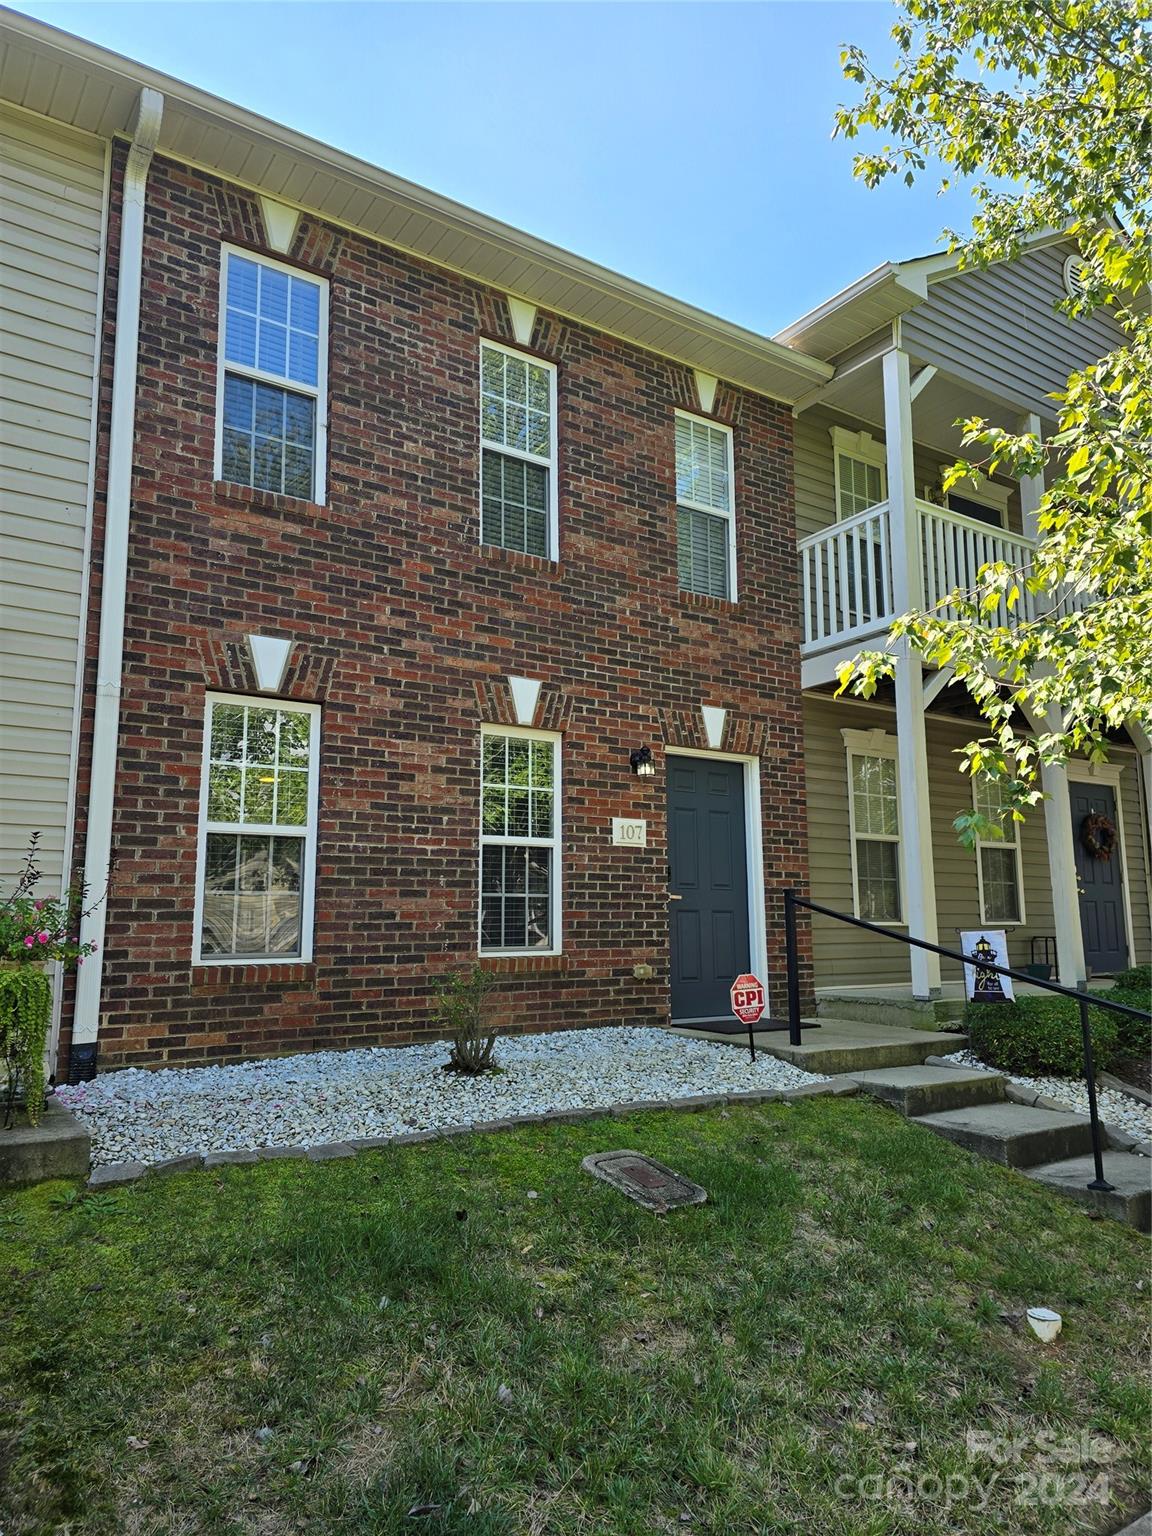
x=461, y=1009
x=1134, y=988
x=1039, y=1036
x=1137, y=983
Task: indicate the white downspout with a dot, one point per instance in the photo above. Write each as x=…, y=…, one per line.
x=114, y=581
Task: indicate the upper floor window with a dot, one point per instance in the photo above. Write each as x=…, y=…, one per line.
x=861, y=475
x=272, y=377
x=518, y=451
x=705, y=511
x=258, y=814
x=998, y=858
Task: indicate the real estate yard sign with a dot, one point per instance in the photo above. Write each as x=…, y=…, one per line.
x=985, y=947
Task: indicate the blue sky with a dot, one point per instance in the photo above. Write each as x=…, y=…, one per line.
x=687, y=145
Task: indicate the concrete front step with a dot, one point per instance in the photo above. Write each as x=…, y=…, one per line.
x=1013, y=1134
x=929, y=1090
x=841, y=1046
x=58, y=1148
x=1131, y=1199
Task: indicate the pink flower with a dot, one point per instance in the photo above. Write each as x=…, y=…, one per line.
x=36, y=905
x=29, y=941
x=44, y=936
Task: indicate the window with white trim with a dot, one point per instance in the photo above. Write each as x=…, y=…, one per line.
x=861, y=473
x=517, y=451
x=519, y=842
x=705, y=513
x=272, y=377
x=874, y=803
x=998, y=865
x=258, y=812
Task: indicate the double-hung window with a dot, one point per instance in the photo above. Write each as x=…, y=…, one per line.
x=705, y=511
x=874, y=810
x=517, y=451
x=258, y=810
x=272, y=377
x=998, y=858
x=519, y=842
x=861, y=475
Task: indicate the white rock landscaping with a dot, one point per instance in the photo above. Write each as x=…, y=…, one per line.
x=1116, y=1109
x=327, y=1097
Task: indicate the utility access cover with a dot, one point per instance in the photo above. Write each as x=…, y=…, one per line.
x=644, y=1180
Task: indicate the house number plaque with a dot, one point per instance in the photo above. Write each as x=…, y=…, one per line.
x=629, y=834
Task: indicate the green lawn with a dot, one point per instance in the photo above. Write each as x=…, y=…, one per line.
x=416, y=1328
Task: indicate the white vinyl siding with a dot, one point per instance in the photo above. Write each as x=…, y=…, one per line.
x=998, y=858
x=519, y=842
x=52, y=193
x=258, y=810
x=272, y=377
x=517, y=452
x=705, y=511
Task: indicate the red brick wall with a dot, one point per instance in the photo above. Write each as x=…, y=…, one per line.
x=405, y=630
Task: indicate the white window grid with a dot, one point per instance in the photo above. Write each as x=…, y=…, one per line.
x=706, y=477
x=863, y=828
x=303, y=832
x=499, y=445
x=988, y=799
x=318, y=392
x=500, y=840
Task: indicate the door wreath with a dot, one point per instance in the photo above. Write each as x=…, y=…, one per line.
x=1098, y=835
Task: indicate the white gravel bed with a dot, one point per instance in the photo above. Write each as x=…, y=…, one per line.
x=148, y=1116
x=1118, y=1109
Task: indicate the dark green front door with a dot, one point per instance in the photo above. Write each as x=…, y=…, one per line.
x=1100, y=883
x=708, y=884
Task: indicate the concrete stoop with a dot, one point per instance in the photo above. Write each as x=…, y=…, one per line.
x=58, y=1148
x=1054, y=1147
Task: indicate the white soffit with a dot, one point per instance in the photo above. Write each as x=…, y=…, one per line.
x=523, y=320
x=525, y=695
x=269, y=661
x=714, y=718
x=280, y=223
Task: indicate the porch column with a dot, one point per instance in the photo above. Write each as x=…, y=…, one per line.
x=1031, y=486
x=1071, y=969
x=916, y=865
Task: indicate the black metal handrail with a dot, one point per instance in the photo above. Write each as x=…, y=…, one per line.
x=1085, y=1000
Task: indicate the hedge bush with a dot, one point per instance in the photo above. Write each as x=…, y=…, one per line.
x=1134, y=987
x=1040, y=1036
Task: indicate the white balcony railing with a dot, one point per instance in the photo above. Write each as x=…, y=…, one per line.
x=846, y=571
x=846, y=579
x=955, y=547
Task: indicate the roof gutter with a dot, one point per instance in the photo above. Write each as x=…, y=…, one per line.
x=114, y=583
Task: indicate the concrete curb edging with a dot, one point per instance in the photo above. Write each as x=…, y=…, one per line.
x=115, y=1175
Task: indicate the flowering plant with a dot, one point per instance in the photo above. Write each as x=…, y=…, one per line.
x=33, y=930
x=36, y=929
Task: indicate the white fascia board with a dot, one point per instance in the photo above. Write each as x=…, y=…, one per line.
x=88, y=72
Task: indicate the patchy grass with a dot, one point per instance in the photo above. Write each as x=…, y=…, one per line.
x=322, y=1349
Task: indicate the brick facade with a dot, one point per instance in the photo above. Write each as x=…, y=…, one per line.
x=405, y=630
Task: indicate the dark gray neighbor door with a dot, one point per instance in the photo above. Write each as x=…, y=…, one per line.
x=1101, y=884
x=707, y=884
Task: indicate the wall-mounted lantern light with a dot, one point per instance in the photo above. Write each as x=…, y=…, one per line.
x=642, y=764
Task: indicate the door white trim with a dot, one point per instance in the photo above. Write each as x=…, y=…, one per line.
x=1109, y=773
x=754, y=859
